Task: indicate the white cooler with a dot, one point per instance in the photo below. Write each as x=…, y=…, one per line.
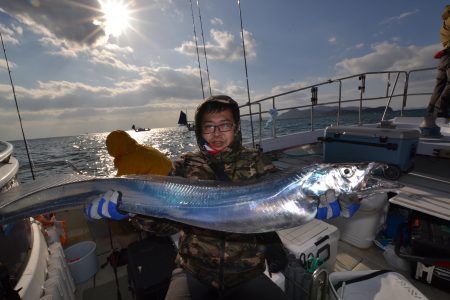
x=362, y=228
x=316, y=237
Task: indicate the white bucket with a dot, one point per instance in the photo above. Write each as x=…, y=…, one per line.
x=82, y=260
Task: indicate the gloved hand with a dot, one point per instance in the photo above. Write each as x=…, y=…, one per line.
x=105, y=206
x=328, y=206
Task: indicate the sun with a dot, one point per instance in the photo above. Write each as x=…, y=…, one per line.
x=116, y=16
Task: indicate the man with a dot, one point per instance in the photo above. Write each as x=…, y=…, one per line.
x=215, y=264
x=440, y=99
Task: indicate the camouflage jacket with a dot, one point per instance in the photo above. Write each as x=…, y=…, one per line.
x=217, y=258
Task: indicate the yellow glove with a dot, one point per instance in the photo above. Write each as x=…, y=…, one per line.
x=131, y=158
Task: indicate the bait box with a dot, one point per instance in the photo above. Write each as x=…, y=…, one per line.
x=316, y=237
x=393, y=146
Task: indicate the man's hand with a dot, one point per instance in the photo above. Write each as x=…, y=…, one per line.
x=105, y=206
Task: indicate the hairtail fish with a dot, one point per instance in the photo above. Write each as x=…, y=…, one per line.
x=273, y=203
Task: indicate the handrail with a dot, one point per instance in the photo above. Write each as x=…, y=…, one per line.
x=6, y=153
x=391, y=93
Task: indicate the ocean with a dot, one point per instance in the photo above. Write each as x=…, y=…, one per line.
x=87, y=153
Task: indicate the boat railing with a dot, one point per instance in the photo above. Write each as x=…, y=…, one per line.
x=385, y=91
x=7, y=151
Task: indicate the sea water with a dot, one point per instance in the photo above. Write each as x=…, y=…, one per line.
x=87, y=153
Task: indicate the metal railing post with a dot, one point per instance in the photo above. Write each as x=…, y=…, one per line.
x=274, y=121
x=362, y=88
x=313, y=103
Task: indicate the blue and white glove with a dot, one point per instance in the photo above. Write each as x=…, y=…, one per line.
x=105, y=207
x=328, y=206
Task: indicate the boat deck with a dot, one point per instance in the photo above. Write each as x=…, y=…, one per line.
x=428, y=193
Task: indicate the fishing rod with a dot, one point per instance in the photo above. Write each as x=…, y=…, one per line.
x=246, y=73
x=17, y=108
x=196, y=47
x=204, y=47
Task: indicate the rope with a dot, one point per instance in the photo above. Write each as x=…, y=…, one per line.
x=246, y=72
x=204, y=48
x=17, y=108
x=196, y=47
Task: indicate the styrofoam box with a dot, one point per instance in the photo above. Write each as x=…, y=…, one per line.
x=361, y=229
x=316, y=237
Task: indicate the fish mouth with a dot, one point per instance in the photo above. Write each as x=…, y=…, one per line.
x=374, y=182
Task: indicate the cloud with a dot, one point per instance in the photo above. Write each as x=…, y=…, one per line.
x=332, y=40
x=8, y=34
x=216, y=21
x=389, y=56
x=67, y=20
x=225, y=46
x=162, y=85
x=399, y=18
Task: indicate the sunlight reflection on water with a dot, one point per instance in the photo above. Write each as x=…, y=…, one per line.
x=88, y=154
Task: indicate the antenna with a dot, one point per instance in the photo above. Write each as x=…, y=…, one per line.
x=246, y=72
x=204, y=47
x=17, y=108
x=196, y=47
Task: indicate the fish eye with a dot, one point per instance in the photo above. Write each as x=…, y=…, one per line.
x=347, y=172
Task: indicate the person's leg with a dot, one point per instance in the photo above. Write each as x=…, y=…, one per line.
x=443, y=104
x=261, y=288
x=183, y=286
x=178, y=288
x=441, y=82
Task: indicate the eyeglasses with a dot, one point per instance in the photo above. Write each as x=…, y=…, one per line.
x=224, y=127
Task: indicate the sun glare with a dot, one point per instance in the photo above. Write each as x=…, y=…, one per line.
x=116, y=16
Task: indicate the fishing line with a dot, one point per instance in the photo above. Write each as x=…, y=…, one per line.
x=246, y=73
x=196, y=47
x=204, y=47
x=17, y=108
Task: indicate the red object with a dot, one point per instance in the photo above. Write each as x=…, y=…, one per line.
x=73, y=260
x=440, y=53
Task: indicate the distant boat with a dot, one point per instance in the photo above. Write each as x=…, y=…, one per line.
x=182, y=121
x=139, y=129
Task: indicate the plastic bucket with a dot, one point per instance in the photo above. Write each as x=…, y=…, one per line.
x=82, y=260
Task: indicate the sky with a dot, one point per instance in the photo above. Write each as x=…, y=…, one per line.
x=83, y=66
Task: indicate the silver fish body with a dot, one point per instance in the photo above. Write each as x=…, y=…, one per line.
x=275, y=203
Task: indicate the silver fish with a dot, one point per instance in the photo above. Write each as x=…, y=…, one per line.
x=275, y=203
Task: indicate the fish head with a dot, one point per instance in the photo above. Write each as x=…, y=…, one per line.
x=346, y=178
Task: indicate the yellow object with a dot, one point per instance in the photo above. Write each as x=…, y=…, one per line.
x=131, y=158
x=445, y=28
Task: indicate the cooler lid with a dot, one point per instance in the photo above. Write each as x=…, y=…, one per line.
x=300, y=235
x=370, y=132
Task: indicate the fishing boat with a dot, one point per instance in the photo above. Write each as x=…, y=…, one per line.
x=139, y=129
x=425, y=186
x=352, y=244
x=13, y=260
x=183, y=121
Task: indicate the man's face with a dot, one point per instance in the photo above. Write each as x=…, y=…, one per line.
x=218, y=129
